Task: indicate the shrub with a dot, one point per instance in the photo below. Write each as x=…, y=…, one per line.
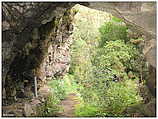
x=58, y=89
x=97, y=61
x=70, y=84
x=85, y=110
x=81, y=62
x=119, y=96
x=112, y=60
x=49, y=108
x=111, y=31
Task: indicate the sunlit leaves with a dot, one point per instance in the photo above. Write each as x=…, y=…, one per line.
x=112, y=32
x=101, y=62
x=120, y=95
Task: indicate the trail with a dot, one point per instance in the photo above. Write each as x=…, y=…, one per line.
x=68, y=105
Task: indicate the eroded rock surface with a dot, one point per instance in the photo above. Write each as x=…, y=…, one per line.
x=36, y=45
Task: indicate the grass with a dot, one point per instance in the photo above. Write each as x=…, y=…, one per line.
x=86, y=110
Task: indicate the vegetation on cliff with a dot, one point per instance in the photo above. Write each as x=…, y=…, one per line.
x=104, y=63
x=104, y=72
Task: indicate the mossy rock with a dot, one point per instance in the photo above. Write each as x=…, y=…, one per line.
x=149, y=109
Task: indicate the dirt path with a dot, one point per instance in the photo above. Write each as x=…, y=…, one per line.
x=68, y=105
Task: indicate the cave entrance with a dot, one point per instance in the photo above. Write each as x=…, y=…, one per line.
x=86, y=61
x=105, y=67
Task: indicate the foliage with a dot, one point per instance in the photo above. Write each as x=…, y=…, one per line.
x=101, y=65
x=111, y=31
x=63, y=86
x=105, y=67
x=118, y=57
x=50, y=107
x=81, y=62
x=57, y=89
x=69, y=84
x=117, y=20
x=85, y=110
x=111, y=101
x=60, y=88
x=118, y=97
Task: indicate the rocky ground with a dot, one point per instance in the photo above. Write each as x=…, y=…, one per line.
x=25, y=107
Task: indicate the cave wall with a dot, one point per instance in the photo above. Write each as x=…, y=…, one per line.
x=36, y=46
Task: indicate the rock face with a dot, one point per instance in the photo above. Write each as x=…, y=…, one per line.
x=35, y=43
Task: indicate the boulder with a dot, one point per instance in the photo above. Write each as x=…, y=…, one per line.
x=28, y=111
x=143, y=110
x=150, y=108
